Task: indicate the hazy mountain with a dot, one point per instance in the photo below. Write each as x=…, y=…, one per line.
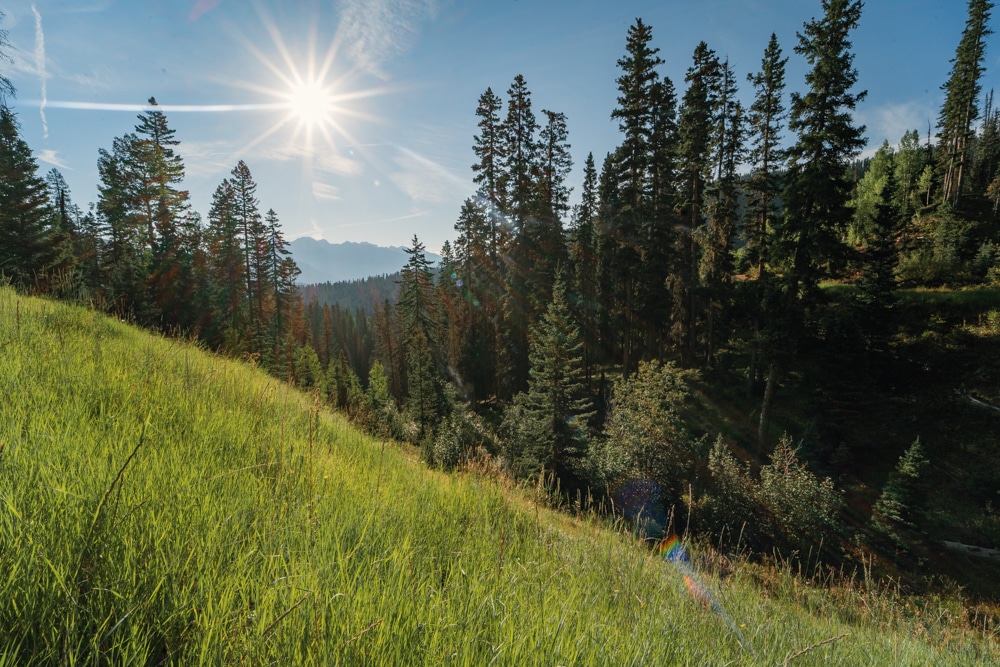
x=322, y=261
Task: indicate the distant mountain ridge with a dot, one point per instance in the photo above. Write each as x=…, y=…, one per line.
x=321, y=261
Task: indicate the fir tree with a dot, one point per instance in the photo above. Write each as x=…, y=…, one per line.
x=765, y=157
x=28, y=243
x=556, y=408
x=960, y=109
x=817, y=191
x=489, y=147
x=640, y=99
x=876, y=287
x=520, y=152
x=694, y=129
x=6, y=87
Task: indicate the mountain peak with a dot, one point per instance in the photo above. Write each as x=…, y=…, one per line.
x=321, y=261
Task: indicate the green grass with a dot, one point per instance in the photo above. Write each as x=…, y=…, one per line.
x=162, y=505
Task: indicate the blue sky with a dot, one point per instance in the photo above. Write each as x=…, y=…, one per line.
x=393, y=158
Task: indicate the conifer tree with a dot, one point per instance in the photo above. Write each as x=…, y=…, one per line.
x=658, y=232
x=254, y=245
x=584, y=263
x=817, y=191
x=694, y=129
x=421, y=323
x=555, y=411
x=228, y=294
x=724, y=205
x=6, y=87
x=489, y=147
x=876, y=300
x=960, y=109
x=27, y=238
x=640, y=99
x=520, y=153
x=764, y=124
x=126, y=265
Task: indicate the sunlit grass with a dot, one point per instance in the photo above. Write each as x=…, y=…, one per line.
x=162, y=505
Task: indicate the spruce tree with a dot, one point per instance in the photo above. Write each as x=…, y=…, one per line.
x=640, y=106
x=520, y=153
x=254, y=246
x=489, y=147
x=421, y=327
x=764, y=124
x=816, y=211
x=694, y=129
x=228, y=288
x=876, y=287
x=584, y=263
x=27, y=238
x=723, y=206
x=960, y=109
x=6, y=87
x=556, y=409
x=658, y=231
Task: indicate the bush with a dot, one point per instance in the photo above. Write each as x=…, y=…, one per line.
x=733, y=505
x=805, y=508
x=644, y=423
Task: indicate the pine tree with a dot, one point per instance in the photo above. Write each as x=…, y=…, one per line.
x=960, y=109
x=556, y=408
x=639, y=101
x=876, y=287
x=421, y=328
x=520, y=153
x=489, y=147
x=584, y=263
x=694, y=129
x=724, y=195
x=254, y=245
x=6, y=87
x=817, y=191
x=765, y=157
x=27, y=238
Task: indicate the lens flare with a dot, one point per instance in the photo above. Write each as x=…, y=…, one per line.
x=673, y=551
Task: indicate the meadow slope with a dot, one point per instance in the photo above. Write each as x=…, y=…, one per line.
x=161, y=505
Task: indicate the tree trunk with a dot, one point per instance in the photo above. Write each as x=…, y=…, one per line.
x=765, y=407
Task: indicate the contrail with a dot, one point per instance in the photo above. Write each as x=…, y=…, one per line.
x=173, y=108
x=40, y=66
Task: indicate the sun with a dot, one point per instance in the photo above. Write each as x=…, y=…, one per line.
x=311, y=103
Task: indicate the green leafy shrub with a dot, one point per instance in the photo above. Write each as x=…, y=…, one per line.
x=805, y=507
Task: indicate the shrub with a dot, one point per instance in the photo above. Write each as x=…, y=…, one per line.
x=805, y=508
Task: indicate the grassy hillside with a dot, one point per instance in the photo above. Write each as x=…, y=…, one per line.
x=162, y=505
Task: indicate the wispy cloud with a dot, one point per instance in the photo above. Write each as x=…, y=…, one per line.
x=890, y=122
x=49, y=156
x=40, y=67
x=376, y=31
x=202, y=7
x=418, y=214
x=425, y=180
x=205, y=159
x=166, y=108
x=325, y=191
x=323, y=158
